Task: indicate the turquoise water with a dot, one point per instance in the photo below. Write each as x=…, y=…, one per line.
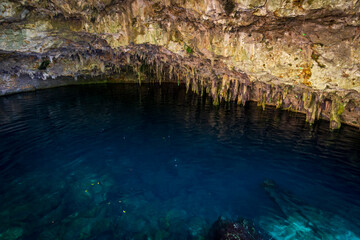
x=152, y=162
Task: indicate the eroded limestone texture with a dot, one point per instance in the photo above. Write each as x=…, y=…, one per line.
x=301, y=55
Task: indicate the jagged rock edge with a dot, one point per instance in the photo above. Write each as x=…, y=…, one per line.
x=151, y=63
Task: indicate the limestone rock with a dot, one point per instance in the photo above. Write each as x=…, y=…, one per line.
x=242, y=229
x=312, y=43
x=12, y=233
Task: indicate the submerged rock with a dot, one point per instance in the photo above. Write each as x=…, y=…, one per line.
x=13, y=233
x=86, y=225
x=197, y=228
x=241, y=229
x=301, y=221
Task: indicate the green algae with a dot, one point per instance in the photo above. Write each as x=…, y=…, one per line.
x=44, y=64
x=337, y=108
x=188, y=49
x=341, y=108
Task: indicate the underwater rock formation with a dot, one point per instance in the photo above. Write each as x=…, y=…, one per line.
x=298, y=55
x=243, y=229
x=301, y=221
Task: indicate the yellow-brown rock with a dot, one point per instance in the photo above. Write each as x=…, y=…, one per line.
x=309, y=45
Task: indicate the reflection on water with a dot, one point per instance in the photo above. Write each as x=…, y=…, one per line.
x=150, y=162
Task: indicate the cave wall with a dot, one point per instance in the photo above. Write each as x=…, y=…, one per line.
x=210, y=45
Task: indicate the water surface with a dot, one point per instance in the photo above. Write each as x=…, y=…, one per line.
x=152, y=162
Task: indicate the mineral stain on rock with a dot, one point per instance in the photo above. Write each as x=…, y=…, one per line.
x=224, y=48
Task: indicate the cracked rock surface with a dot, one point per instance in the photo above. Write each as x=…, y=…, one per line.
x=301, y=55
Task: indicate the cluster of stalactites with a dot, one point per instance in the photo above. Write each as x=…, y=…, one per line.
x=198, y=77
x=226, y=86
x=315, y=104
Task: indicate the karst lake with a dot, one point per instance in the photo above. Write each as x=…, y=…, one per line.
x=123, y=161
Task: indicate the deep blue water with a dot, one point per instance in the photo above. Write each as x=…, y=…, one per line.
x=152, y=162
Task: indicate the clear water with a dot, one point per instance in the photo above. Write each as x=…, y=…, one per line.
x=150, y=162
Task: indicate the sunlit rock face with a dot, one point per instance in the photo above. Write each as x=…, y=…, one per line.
x=232, y=49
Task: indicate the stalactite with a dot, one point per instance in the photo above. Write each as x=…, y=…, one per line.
x=240, y=96
x=178, y=78
x=261, y=96
x=262, y=101
x=337, y=109
x=171, y=73
x=310, y=106
x=226, y=85
x=235, y=90
x=137, y=71
x=318, y=106
x=187, y=77
x=224, y=88
x=305, y=100
x=214, y=93
x=278, y=97
x=243, y=95
x=194, y=86
x=202, y=86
